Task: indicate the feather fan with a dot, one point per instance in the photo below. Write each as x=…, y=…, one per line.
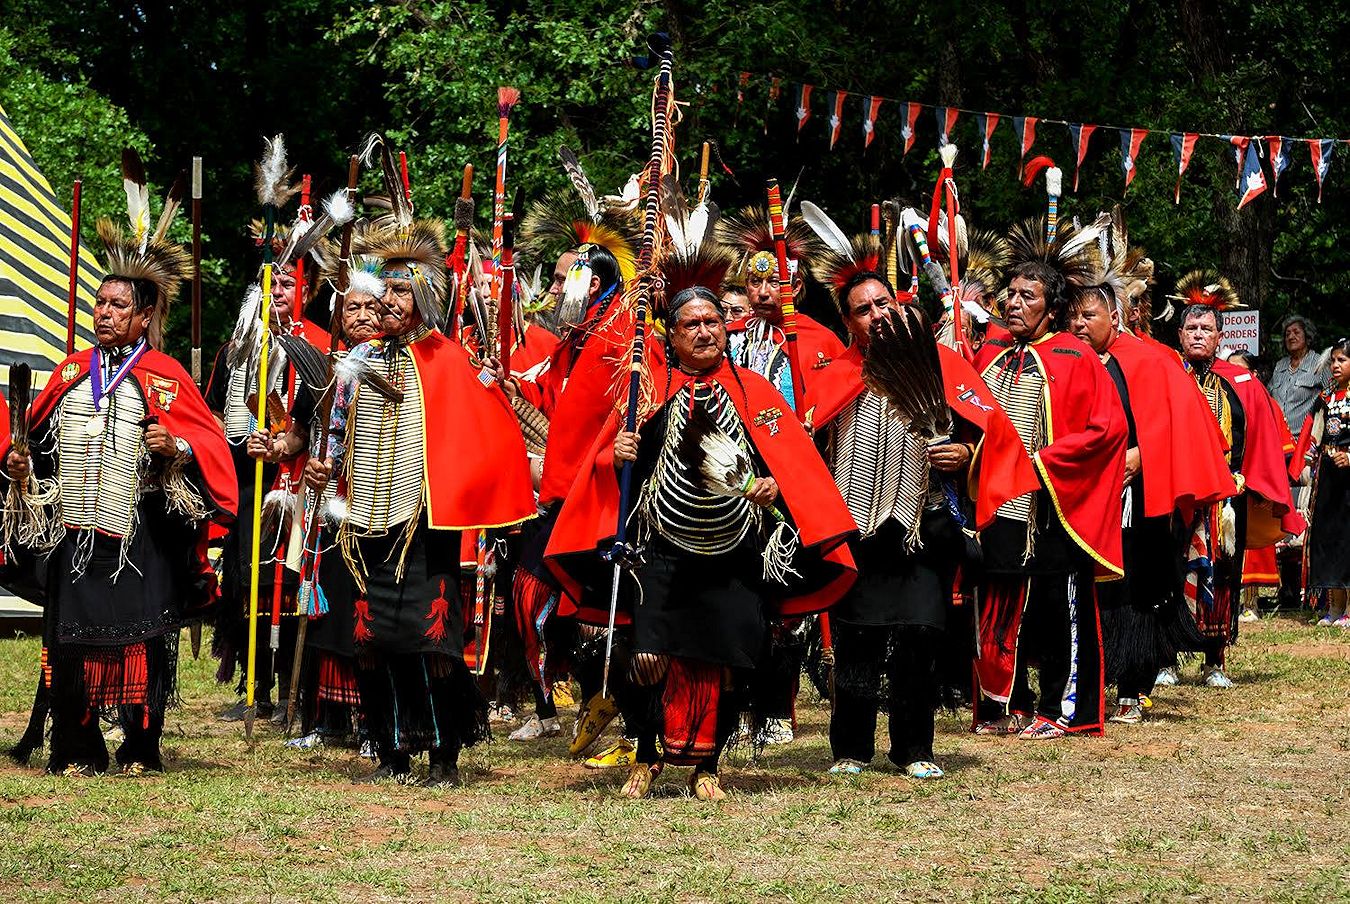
x=724, y=468
x=902, y=364
x=20, y=391
x=310, y=363
x=357, y=368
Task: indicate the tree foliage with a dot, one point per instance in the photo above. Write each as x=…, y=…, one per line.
x=212, y=77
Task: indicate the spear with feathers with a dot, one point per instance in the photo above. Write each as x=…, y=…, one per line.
x=621, y=552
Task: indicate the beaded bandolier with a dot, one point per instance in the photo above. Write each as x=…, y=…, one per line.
x=1213, y=387
x=760, y=348
x=97, y=476
x=386, y=492
x=881, y=468
x=675, y=503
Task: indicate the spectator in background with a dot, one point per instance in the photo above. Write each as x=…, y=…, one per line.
x=1300, y=376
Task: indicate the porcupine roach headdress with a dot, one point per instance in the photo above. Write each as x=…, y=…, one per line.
x=398, y=236
x=1128, y=274
x=1205, y=287
x=140, y=253
x=694, y=257
x=982, y=258
x=1073, y=252
x=839, y=258
x=564, y=221
x=750, y=233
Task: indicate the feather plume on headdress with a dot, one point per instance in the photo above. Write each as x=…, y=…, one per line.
x=838, y=258
x=981, y=256
x=421, y=244
x=272, y=176
x=694, y=257
x=564, y=221
x=1207, y=288
x=1073, y=252
x=751, y=235
x=142, y=253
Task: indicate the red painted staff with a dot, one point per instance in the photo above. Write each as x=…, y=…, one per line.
x=778, y=225
x=74, y=267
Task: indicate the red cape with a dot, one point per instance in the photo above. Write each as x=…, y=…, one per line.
x=1083, y=464
x=817, y=345
x=587, y=521
x=1180, y=445
x=1265, y=443
x=577, y=390
x=1001, y=470
x=477, y=473
x=171, y=396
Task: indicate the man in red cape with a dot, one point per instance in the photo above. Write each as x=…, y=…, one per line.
x=889, y=629
x=131, y=468
x=445, y=456
x=1264, y=511
x=716, y=565
x=1174, y=465
x=1043, y=551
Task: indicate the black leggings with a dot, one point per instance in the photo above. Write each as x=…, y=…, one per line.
x=906, y=656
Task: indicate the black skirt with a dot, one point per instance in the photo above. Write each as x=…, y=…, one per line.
x=1328, y=540
x=706, y=608
x=418, y=613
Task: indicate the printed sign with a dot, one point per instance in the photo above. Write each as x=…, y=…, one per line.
x=1242, y=331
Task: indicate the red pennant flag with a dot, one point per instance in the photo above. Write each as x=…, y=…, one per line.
x=988, y=122
x=1130, y=140
x=946, y=117
x=871, y=107
x=1251, y=179
x=1321, y=150
x=1080, y=134
x=740, y=87
x=803, y=107
x=836, y=116
x=907, y=130
x=1025, y=127
x=1183, y=145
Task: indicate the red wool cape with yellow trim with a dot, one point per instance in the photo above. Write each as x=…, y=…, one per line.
x=1082, y=464
x=589, y=517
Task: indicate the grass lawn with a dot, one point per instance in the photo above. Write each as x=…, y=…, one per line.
x=1221, y=796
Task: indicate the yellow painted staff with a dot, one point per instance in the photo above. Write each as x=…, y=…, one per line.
x=272, y=182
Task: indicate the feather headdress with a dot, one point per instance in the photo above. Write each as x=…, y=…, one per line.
x=1205, y=287
x=143, y=253
x=421, y=244
x=750, y=233
x=981, y=258
x=839, y=257
x=694, y=258
x=564, y=221
x=1073, y=252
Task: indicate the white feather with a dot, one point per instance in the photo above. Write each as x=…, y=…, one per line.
x=337, y=510
x=697, y=226
x=366, y=283
x=824, y=227
x=338, y=208
x=1054, y=181
x=273, y=171
x=726, y=469
x=948, y=154
x=675, y=229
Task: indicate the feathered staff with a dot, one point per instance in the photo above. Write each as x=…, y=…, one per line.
x=197, y=279
x=1054, y=187
x=662, y=104
x=459, y=256
x=309, y=561
x=507, y=98
x=272, y=179
x=777, y=223
x=944, y=213
x=74, y=267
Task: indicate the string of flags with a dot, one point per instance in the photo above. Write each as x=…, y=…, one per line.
x=1248, y=150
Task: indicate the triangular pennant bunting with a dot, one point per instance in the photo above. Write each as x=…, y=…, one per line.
x=836, y=115
x=1080, y=133
x=803, y=107
x=871, y=107
x=1252, y=181
x=1277, y=147
x=907, y=129
x=987, y=123
x=1130, y=140
x=1321, y=150
x=946, y=118
x=1183, y=145
x=1025, y=127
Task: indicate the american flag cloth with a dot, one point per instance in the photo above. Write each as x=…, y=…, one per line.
x=1199, y=586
